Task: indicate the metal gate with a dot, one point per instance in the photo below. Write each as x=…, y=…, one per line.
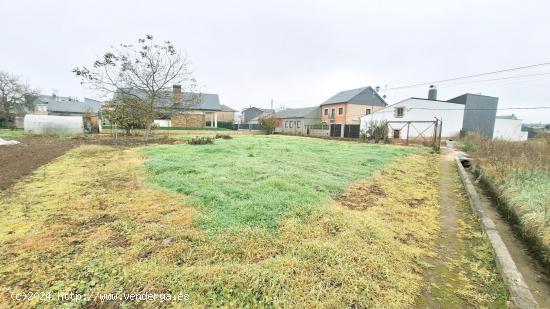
x=427, y=133
x=351, y=130
x=335, y=130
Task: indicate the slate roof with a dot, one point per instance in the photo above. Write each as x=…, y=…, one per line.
x=361, y=96
x=226, y=108
x=74, y=106
x=67, y=104
x=305, y=112
x=189, y=100
x=265, y=110
x=45, y=99
x=88, y=100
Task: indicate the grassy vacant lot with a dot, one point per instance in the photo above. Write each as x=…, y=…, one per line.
x=263, y=221
x=255, y=181
x=521, y=174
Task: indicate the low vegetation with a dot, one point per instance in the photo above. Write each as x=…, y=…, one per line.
x=520, y=172
x=466, y=274
x=87, y=223
x=377, y=131
x=200, y=140
x=96, y=221
x=255, y=181
x=9, y=133
x=221, y=135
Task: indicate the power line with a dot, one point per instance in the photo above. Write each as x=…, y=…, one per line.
x=501, y=78
x=458, y=78
x=469, y=76
x=481, y=109
x=439, y=109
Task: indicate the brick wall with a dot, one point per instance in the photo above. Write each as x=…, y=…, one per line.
x=226, y=116
x=188, y=120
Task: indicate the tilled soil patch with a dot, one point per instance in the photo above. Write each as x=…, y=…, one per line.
x=17, y=161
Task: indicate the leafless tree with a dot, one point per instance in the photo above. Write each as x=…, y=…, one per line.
x=143, y=71
x=15, y=96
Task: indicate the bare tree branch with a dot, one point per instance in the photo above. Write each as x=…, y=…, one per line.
x=142, y=71
x=15, y=96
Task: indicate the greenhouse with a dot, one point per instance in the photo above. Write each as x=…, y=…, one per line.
x=46, y=124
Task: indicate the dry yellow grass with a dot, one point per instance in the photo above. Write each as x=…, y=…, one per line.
x=520, y=173
x=87, y=224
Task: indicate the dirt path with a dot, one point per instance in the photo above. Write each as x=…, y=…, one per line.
x=440, y=277
x=462, y=272
x=532, y=272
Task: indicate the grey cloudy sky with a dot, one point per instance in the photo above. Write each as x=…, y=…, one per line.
x=296, y=52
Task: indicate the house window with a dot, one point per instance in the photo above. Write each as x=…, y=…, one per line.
x=399, y=111
x=396, y=133
x=332, y=112
x=286, y=124
x=340, y=110
x=290, y=124
x=368, y=111
x=326, y=111
x=298, y=124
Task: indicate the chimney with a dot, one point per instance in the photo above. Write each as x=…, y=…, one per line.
x=432, y=93
x=176, y=93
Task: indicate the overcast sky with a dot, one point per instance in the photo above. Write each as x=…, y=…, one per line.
x=297, y=53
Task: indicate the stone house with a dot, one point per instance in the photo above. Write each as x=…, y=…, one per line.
x=174, y=108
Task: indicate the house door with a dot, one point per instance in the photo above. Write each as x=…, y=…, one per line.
x=396, y=133
x=335, y=130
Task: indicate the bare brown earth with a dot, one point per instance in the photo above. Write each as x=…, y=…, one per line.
x=17, y=161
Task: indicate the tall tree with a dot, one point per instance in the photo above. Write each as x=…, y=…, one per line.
x=15, y=97
x=143, y=71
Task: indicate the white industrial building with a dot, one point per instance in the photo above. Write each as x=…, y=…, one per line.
x=468, y=113
x=415, y=116
x=509, y=128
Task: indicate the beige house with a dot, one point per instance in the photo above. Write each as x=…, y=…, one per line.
x=343, y=111
x=297, y=121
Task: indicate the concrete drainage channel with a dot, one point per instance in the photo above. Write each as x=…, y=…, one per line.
x=520, y=295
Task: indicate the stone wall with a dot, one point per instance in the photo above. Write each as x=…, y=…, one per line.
x=188, y=120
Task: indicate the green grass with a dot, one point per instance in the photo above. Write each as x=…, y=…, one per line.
x=8, y=133
x=108, y=127
x=192, y=129
x=86, y=223
x=255, y=181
